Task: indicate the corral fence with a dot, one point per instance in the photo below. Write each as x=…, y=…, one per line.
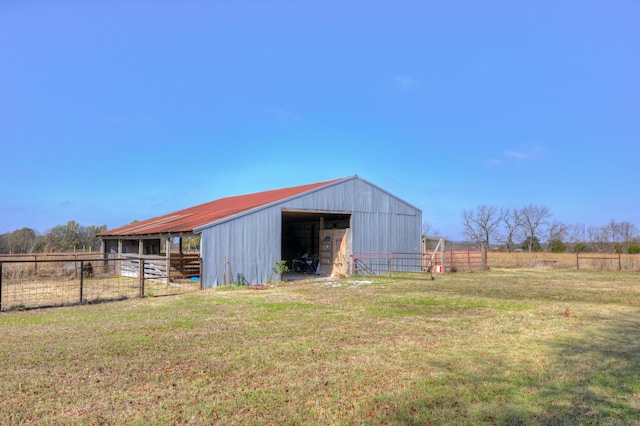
x=460, y=259
x=37, y=281
x=377, y=263
x=449, y=260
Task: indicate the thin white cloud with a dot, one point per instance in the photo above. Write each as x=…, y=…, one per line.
x=518, y=155
x=404, y=82
x=531, y=154
x=281, y=116
x=494, y=162
x=526, y=154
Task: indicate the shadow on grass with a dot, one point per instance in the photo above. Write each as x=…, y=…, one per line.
x=589, y=378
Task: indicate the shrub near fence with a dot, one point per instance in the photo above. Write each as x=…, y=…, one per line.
x=583, y=261
x=60, y=281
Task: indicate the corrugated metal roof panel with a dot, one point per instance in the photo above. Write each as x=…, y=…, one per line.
x=194, y=217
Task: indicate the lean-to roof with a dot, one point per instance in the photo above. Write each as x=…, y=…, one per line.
x=185, y=221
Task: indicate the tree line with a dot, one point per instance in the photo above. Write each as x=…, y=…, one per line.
x=69, y=237
x=531, y=228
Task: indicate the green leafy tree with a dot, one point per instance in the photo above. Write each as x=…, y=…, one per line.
x=531, y=244
x=581, y=247
x=557, y=246
x=74, y=236
x=25, y=240
x=634, y=248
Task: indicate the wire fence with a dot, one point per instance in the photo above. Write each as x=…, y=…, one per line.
x=581, y=261
x=450, y=260
x=59, y=280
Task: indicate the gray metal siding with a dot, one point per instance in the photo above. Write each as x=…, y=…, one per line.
x=252, y=242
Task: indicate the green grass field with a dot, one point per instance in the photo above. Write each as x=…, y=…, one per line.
x=501, y=347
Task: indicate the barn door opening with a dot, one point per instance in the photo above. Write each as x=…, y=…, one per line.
x=304, y=232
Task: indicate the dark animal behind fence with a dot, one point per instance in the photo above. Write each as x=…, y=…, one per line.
x=87, y=270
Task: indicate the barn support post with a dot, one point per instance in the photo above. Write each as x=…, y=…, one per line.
x=81, y=278
x=168, y=260
x=141, y=276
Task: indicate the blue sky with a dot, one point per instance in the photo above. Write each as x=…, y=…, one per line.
x=122, y=110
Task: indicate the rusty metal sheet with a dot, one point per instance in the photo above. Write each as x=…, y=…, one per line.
x=193, y=217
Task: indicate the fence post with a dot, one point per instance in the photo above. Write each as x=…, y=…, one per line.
x=484, y=249
x=141, y=276
x=81, y=277
x=619, y=260
x=390, y=263
x=0, y=286
x=577, y=260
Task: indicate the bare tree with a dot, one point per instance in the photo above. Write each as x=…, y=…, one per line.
x=481, y=224
x=577, y=233
x=428, y=230
x=533, y=217
x=512, y=224
x=557, y=235
x=621, y=233
x=599, y=237
x=558, y=231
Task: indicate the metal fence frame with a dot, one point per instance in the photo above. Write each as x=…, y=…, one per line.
x=109, y=266
x=449, y=260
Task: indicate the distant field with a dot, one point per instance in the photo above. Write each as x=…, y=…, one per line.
x=588, y=261
x=517, y=346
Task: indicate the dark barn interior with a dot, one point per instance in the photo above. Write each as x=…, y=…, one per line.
x=301, y=232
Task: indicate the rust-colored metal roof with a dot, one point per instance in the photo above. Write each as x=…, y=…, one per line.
x=194, y=217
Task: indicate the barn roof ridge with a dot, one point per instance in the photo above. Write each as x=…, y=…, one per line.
x=201, y=216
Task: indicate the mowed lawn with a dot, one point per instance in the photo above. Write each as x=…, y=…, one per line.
x=501, y=347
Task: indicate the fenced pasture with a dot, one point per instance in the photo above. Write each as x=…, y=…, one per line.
x=507, y=346
x=36, y=281
x=581, y=261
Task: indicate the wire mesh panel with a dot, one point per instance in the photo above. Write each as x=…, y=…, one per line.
x=59, y=281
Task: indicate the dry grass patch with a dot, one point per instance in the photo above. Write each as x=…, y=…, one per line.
x=504, y=347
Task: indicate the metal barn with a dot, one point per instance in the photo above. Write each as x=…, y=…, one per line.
x=243, y=237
